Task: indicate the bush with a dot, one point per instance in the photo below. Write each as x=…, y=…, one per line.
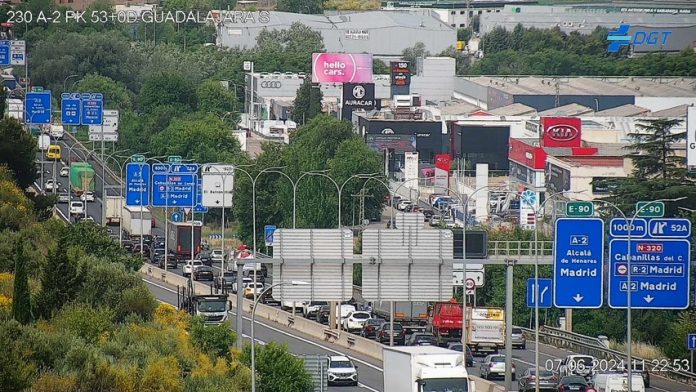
x=215, y=340
x=85, y=321
x=137, y=301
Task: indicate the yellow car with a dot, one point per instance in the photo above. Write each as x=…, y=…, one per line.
x=53, y=152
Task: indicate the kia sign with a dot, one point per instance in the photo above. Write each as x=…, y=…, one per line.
x=561, y=132
x=341, y=68
x=400, y=73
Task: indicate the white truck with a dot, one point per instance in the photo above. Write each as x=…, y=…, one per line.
x=136, y=220
x=486, y=332
x=424, y=369
x=114, y=207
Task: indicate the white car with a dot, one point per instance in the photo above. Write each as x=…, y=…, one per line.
x=287, y=305
x=342, y=371
x=311, y=309
x=65, y=171
x=403, y=204
x=216, y=255
x=245, y=281
x=252, y=289
x=494, y=365
x=87, y=219
x=77, y=208
x=63, y=197
x=346, y=309
x=189, y=267
x=50, y=185
x=87, y=196
x=355, y=320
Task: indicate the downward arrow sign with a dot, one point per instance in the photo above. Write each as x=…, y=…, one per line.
x=648, y=298
x=578, y=297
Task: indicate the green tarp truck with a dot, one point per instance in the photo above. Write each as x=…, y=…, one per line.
x=81, y=177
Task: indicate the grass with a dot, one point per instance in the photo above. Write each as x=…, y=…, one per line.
x=639, y=349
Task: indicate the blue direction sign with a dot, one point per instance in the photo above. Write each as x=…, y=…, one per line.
x=669, y=228
x=544, y=293
x=268, y=232
x=691, y=341
x=619, y=227
x=92, y=109
x=5, y=53
x=659, y=274
x=198, y=208
x=160, y=168
x=177, y=217
x=183, y=168
x=578, y=260
x=137, y=184
x=70, y=109
x=38, y=107
x=173, y=190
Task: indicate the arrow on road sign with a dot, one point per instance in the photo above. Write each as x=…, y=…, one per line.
x=578, y=297
x=691, y=341
x=648, y=298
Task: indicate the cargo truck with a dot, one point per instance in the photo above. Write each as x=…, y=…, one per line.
x=81, y=177
x=485, y=326
x=407, y=313
x=213, y=308
x=180, y=239
x=114, y=208
x=424, y=369
x=136, y=220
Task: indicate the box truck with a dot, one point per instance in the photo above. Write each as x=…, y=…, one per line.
x=114, y=208
x=424, y=369
x=81, y=177
x=485, y=326
x=136, y=220
x=405, y=312
x=180, y=238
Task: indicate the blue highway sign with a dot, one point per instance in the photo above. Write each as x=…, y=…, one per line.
x=183, y=168
x=669, y=228
x=38, y=107
x=70, y=109
x=198, y=208
x=4, y=53
x=160, y=168
x=578, y=260
x=268, y=232
x=92, y=109
x=177, y=217
x=544, y=293
x=659, y=274
x=691, y=341
x=137, y=184
x=619, y=227
x=173, y=190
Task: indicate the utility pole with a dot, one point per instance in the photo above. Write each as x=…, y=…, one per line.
x=361, y=208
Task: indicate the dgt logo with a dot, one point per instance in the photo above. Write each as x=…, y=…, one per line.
x=620, y=37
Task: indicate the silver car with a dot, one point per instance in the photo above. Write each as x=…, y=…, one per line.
x=494, y=365
x=518, y=339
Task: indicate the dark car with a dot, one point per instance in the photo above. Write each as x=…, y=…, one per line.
x=323, y=314
x=145, y=251
x=398, y=333
x=127, y=245
x=422, y=339
x=203, y=272
x=267, y=298
x=369, y=329
x=154, y=253
x=225, y=281
x=205, y=258
x=527, y=381
x=573, y=383
x=428, y=213
x=171, y=261
x=469, y=355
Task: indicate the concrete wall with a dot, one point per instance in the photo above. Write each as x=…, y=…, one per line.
x=435, y=79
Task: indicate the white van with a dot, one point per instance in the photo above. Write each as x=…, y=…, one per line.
x=617, y=382
x=56, y=131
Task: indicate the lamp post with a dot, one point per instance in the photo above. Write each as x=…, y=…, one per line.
x=66, y=80
x=253, y=316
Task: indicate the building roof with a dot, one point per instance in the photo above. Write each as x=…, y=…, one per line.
x=572, y=109
x=516, y=109
x=458, y=108
x=593, y=160
x=677, y=111
x=627, y=110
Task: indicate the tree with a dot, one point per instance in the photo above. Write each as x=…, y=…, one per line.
x=16, y=368
x=60, y=281
x=167, y=89
x=278, y=370
x=380, y=68
x=15, y=209
x=288, y=50
x=21, y=298
x=307, y=104
x=652, y=150
x=116, y=95
x=214, y=98
x=215, y=340
x=3, y=102
x=413, y=53
x=300, y=6
x=19, y=155
x=464, y=34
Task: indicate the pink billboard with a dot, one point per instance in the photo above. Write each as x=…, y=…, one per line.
x=341, y=68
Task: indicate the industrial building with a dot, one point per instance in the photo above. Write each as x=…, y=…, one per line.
x=385, y=34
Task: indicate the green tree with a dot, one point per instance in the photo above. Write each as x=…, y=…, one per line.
x=300, y=6
x=3, y=102
x=60, y=281
x=167, y=89
x=21, y=299
x=287, y=50
x=380, y=68
x=278, y=370
x=215, y=340
x=677, y=334
x=19, y=155
x=16, y=367
x=307, y=103
x=214, y=98
x=463, y=34
x=652, y=151
x=116, y=95
x=84, y=321
x=413, y=53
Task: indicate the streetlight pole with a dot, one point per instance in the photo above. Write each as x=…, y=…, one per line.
x=253, y=317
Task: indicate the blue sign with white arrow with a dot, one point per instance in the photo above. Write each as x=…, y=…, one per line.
x=578, y=260
x=38, y=107
x=619, y=227
x=268, y=232
x=198, y=208
x=659, y=273
x=70, y=109
x=137, y=184
x=177, y=217
x=544, y=292
x=5, y=53
x=92, y=109
x=691, y=341
x=669, y=228
x=173, y=190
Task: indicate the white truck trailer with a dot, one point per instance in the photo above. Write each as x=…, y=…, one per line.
x=114, y=209
x=424, y=369
x=136, y=220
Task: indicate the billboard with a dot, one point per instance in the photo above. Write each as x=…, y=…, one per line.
x=411, y=169
x=561, y=132
x=357, y=96
x=557, y=178
x=691, y=139
x=341, y=68
x=442, y=169
x=398, y=143
x=400, y=73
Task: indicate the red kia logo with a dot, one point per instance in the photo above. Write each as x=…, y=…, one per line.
x=562, y=133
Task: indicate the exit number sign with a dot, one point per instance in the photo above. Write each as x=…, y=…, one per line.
x=579, y=208
x=650, y=209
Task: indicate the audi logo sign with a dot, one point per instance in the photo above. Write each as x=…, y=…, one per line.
x=270, y=84
x=562, y=133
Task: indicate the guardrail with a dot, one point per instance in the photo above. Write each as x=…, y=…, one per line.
x=588, y=345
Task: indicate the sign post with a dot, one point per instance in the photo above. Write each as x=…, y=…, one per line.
x=137, y=184
x=650, y=209
x=70, y=109
x=691, y=344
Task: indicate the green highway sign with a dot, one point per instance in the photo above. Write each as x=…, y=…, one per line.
x=174, y=159
x=579, y=208
x=650, y=209
x=37, y=89
x=138, y=158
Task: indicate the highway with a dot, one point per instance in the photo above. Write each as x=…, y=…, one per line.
x=370, y=370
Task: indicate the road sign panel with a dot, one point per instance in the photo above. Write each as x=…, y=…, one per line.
x=543, y=293
x=669, y=228
x=137, y=184
x=579, y=208
x=268, y=231
x=177, y=217
x=218, y=185
x=198, y=208
x=92, y=109
x=183, y=168
x=659, y=274
x=138, y=158
x=18, y=52
x=174, y=159
x=619, y=227
x=70, y=109
x=173, y=190
x=650, y=209
x=691, y=341
x=578, y=259
x=459, y=279
x=160, y=168
x=38, y=108
x=4, y=53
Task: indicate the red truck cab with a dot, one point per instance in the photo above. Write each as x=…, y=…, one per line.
x=446, y=321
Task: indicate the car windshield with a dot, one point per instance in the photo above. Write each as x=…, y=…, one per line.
x=446, y=385
x=361, y=316
x=516, y=331
x=211, y=306
x=456, y=347
x=397, y=327
x=498, y=359
x=573, y=380
x=341, y=364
